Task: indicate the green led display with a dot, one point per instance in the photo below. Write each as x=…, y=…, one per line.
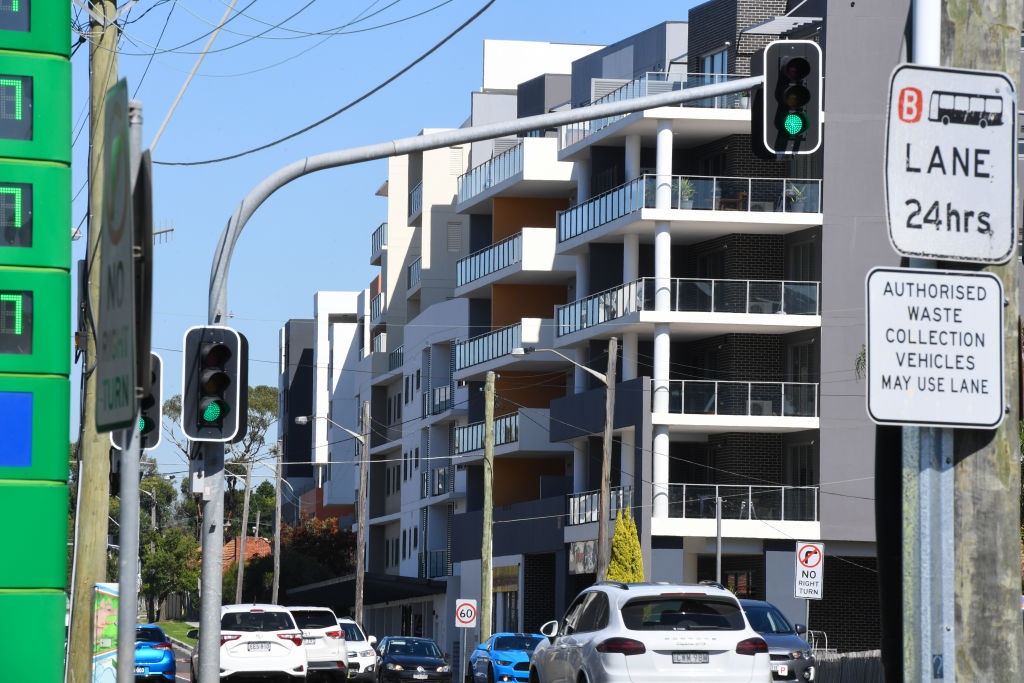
x=15, y=107
x=795, y=123
x=15, y=15
x=212, y=412
x=15, y=215
x=15, y=322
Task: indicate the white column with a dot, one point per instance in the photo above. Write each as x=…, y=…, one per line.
x=659, y=472
x=662, y=302
x=632, y=157
x=579, y=465
x=629, y=359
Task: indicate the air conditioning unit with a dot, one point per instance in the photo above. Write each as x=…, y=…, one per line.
x=761, y=408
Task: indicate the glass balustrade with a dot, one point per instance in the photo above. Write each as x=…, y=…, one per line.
x=598, y=308
x=488, y=346
x=379, y=238
x=585, y=507
x=396, y=358
x=758, y=399
x=489, y=259
x=766, y=503
x=496, y=169
x=414, y=273
x=470, y=437
x=416, y=199
x=376, y=306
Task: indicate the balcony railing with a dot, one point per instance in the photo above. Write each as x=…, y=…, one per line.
x=439, y=481
x=767, y=503
x=586, y=507
x=416, y=199
x=433, y=564
x=414, y=273
x=376, y=306
x=491, y=172
x=598, y=308
x=379, y=343
x=699, y=193
x=654, y=83
x=488, y=346
x=424, y=484
x=438, y=400
x=489, y=259
x=396, y=358
x=379, y=238
x=758, y=399
x=470, y=437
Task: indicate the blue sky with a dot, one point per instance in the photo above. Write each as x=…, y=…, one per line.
x=315, y=233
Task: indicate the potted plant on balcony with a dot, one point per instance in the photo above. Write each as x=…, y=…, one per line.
x=744, y=100
x=796, y=197
x=685, y=189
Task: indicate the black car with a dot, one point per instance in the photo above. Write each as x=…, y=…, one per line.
x=410, y=660
x=791, y=656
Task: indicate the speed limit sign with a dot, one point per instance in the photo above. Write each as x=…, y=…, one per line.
x=465, y=613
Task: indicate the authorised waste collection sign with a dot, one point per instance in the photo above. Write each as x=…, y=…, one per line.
x=935, y=347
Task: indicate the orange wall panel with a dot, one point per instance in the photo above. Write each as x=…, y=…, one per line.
x=518, y=480
x=512, y=303
x=512, y=214
x=526, y=388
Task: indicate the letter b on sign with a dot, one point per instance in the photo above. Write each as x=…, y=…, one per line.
x=910, y=105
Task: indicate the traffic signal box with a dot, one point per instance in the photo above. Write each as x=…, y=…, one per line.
x=150, y=409
x=215, y=384
x=35, y=332
x=789, y=118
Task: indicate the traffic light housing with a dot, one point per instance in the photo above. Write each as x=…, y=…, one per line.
x=789, y=118
x=215, y=386
x=150, y=409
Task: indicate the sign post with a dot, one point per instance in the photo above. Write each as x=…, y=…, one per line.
x=465, y=617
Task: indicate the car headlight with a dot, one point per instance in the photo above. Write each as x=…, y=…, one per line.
x=800, y=654
x=443, y=669
x=502, y=662
x=366, y=653
x=393, y=667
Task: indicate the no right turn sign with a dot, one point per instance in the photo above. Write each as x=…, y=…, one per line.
x=810, y=570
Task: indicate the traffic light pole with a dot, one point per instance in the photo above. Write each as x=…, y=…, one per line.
x=213, y=551
x=128, y=555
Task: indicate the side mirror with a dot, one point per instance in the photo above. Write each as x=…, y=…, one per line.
x=550, y=629
x=482, y=646
x=193, y=634
x=800, y=629
x=372, y=640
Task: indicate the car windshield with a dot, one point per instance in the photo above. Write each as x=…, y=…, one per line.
x=767, y=619
x=413, y=648
x=314, y=618
x=352, y=631
x=256, y=621
x=682, y=613
x=149, y=635
x=525, y=643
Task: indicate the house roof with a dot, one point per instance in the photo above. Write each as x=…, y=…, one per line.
x=254, y=547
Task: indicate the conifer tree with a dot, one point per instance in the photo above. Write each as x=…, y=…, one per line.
x=626, y=563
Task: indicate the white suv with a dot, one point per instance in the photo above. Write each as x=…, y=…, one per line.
x=257, y=639
x=361, y=656
x=651, y=633
x=325, y=641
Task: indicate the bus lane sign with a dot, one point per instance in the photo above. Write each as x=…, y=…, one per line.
x=951, y=164
x=935, y=348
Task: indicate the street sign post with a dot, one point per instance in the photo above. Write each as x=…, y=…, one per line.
x=465, y=617
x=934, y=351
x=951, y=164
x=809, y=573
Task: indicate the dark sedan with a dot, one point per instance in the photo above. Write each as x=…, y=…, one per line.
x=409, y=660
x=791, y=656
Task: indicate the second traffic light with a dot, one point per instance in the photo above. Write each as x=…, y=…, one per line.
x=150, y=409
x=792, y=99
x=215, y=387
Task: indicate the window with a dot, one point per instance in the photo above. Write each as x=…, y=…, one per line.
x=741, y=583
x=404, y=550
x=398, y=483
x=572, y=615
x=389, y=411
x=595, y=614
x=715, y=63
x=396, y=550
x=406, y=382
x=387, y=481
x=661, y=613
x=417, y=380
x=415, y=537
x=405, y=466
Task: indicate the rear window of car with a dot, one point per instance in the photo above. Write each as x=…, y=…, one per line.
x=352, y=631
x=766, y=619
x=314, y=618
x=149, y=635
x=256, y=621
x=525, y=643
x=682, y=613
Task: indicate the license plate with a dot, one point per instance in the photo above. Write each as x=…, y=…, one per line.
x=781, y=669
x=140, y=669
x=309, y=641
x=420, y=676
x=259, y=647
x=689, y=657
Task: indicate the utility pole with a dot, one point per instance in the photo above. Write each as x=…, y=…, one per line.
x=987, y=487
x=486, y=577
x=277, y=525
x=245, y=533
x=604, y=511
x=362, y=514
x=94, y=497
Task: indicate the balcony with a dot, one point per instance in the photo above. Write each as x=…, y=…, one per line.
x=439, y=481
x=416, y=200
x=737, y=204
x=654, y=83
x=765, y=503
x=378, y=243
x=414, y=274
x=488, y=346
x=470, y=437
x=377, y=307
x=710, y=406
x=526, y=257
x=768, y=303
x=583, y=508
x=396, y=358
x=530, y=169
x=519, y=433
x=493, y=350
x=437, y=400
x=434, y=564
x=489, y=259
x=379, y=343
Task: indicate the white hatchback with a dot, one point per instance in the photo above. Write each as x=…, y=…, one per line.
x=326, y=649
x=651, y=633
x=258, y=640
x=361, y=657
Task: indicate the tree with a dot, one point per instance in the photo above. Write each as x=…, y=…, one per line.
x=627, y=563
x=172, y=566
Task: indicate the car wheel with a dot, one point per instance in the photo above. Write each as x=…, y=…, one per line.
x=490, y=673
x=534, y=676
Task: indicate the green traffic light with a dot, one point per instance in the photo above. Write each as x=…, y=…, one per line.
x=212, y=412
x=795, y=123
x=142, y=424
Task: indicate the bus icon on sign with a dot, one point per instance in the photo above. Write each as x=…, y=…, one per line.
x=966, y=108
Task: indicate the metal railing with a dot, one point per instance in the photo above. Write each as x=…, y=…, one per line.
x=424, y=484
x=488, y=346
x=757, y=399
x=416, y=199
x=699, y=193
x=376, y=306
x=414, y=273
x=768, y=503
x=439, y=481
x=379, y=342
x=653, y=83
x=379, y=238
x=586, y=507
x=600, y=307
x=489, y=259
x=437, y=400
x=433, y=564
x=471, y=437
x=491, y=172
x=396, y=358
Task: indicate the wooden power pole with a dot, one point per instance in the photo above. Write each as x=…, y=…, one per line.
x=604, y=510
x=985, y=35
x=486, y=577
x=94, y=496
x=240, y=542
x=277, y=525
x=362, y=515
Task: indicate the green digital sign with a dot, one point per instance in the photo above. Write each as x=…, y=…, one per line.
x=15, y=15
x=15, y=214
x=15, y=107
x=15, y=322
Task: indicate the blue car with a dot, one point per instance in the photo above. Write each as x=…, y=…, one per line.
x=154, y=656
x=503, y=658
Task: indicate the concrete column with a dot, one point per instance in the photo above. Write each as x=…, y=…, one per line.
x=662, y=303
x=579, y=378
x=579, y=465
x=659, y=472
x=629, y=359
x=632, y=157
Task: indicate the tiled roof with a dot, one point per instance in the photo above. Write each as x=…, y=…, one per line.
x=254, y=547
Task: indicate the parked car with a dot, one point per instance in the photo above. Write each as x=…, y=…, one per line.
x=651, y=633
x=361, y=657
x=503, y=657
x=326, y=650
x=791, y=656
x=404, y=660
x=258, y=640
x=154, y=655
